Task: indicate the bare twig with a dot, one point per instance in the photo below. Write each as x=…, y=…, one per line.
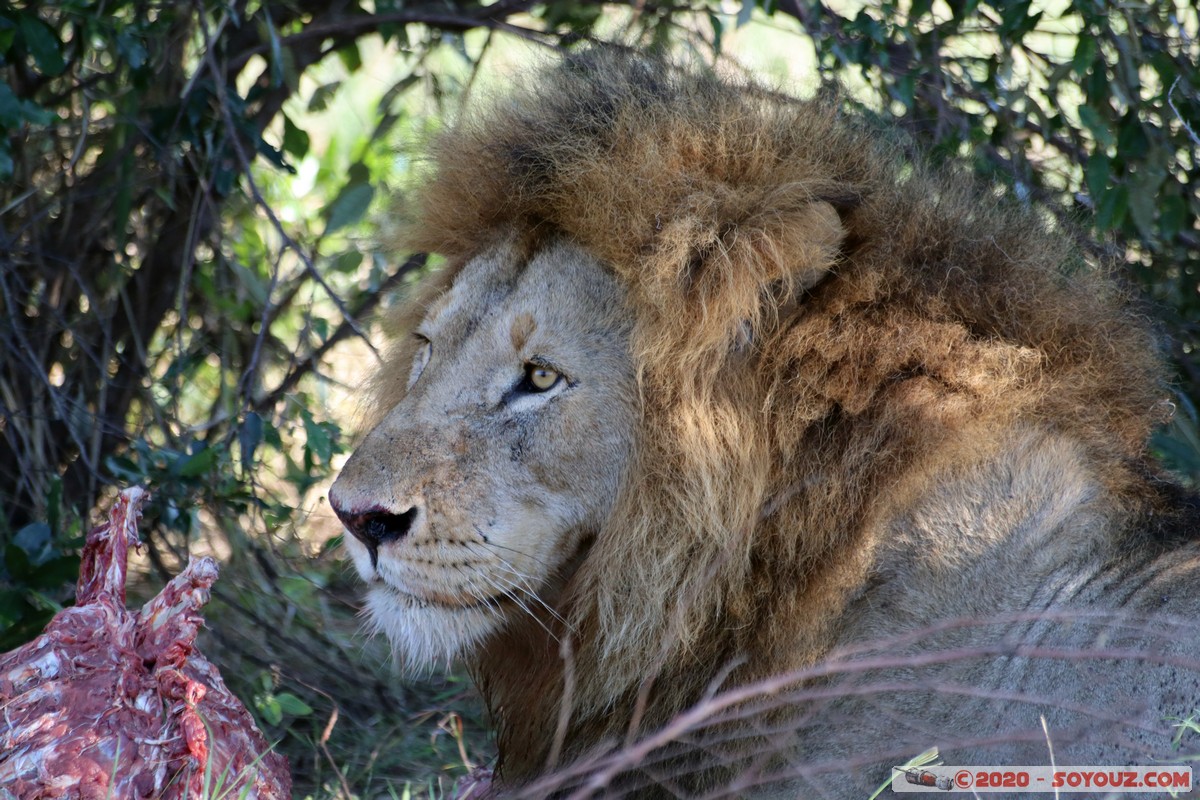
x=1171, y=102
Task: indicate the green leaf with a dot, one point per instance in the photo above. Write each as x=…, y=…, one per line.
x=351, y=58
x=1143, y=199
x=332, y=544
x=271, y=435
x=17, y=563
x=271, y=710
x=290, y=704
x=12, y=607
x=276, y=49
x=718, y=29
x=347, y=262
x=10, y=107
x=1111, y=208
x=199, y=463
x=14, y=111
x=1132, y=141
x=1085, y=54
x=42, y=43
x=961, y=9
x=1028, y=24
x=1127, y=69
x=250, y=434
x=352, y=201
x=905, y=89
x=273, y=155
x=1013, y=16
x=1096, y=174
x=34, y=540
x=1168, y=70
x=8, y=34
x=125, y=469
x=131, y=50
x=297, y=588
x=319, y=438
x=1100, y=130
x=295, y=139
x=43, y=601
x=322, y=95
x=54, y=573
x=1096, y=85
x=1172, y=216
x=255, y=285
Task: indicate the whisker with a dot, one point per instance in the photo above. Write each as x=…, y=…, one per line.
x=520, y=580
x=524, y=583
x=507, y=592
x=517, y=598
x=485, y=542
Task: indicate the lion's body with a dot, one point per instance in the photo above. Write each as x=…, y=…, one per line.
x=816, y=402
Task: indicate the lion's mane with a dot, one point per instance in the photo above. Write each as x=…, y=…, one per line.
x=822, y=322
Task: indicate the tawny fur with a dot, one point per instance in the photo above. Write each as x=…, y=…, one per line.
x=821, y=327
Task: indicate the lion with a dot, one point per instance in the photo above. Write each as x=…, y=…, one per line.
x=735, y=451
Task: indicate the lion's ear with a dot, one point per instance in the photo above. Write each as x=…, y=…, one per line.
x=707, y=251
x=787, y=252
x=812, y=240
x=726, y=265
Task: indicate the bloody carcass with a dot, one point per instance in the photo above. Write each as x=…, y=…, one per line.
x=109, y=704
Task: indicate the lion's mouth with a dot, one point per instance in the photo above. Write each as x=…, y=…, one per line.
x=435, y=599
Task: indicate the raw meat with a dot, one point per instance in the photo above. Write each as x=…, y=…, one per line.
x=108, y=704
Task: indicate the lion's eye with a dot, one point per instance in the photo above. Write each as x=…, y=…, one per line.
x=539, y=378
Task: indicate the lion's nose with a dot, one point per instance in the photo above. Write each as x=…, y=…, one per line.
x=374, y=526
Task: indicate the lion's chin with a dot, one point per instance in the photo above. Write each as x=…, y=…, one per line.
x=428, y=635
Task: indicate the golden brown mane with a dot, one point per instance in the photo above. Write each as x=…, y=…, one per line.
x=819, y=323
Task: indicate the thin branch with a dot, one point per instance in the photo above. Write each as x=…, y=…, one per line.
x=288, y=242
x=343, y=331
x=1171, y=102
x=493, y=17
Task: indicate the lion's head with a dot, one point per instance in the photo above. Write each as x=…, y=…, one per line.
x=694, y=348
x=477, y=491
